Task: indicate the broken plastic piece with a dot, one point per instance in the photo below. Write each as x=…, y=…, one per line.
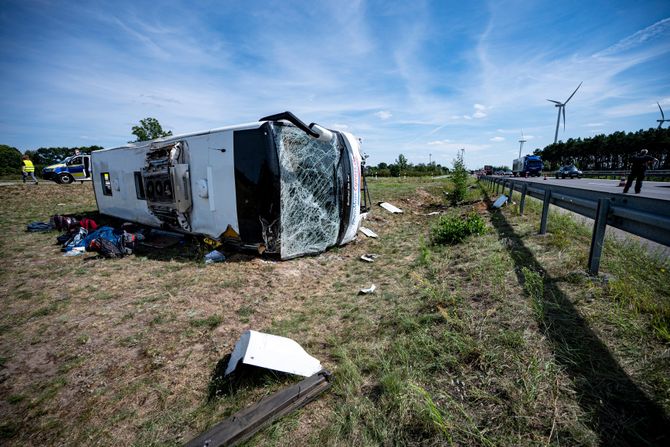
x=369, y=290
x=272, y=352
x=434, y=213
x=214, y=256
x=500, y=201
x=390, y=208
x=368, y=232
x=369, y=257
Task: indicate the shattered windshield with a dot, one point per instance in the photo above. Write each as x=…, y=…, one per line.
x=310, y=197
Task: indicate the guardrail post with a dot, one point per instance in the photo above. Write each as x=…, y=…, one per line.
x=598, y=236
x=511, y=190
x=545, y=211
x=522, y=202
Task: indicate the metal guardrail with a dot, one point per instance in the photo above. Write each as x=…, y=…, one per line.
x=641, y=216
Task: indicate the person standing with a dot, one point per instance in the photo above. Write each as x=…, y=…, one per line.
x=28, y=169
x=640, y=163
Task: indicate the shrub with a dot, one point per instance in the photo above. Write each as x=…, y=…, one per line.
x=454, y=229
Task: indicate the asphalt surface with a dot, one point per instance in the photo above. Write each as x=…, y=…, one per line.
x=654, y=190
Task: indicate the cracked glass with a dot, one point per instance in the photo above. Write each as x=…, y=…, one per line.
x=310, y=195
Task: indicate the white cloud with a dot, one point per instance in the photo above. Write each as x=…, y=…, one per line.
x=498, y=139
x=637, y=38
x=594, y=124
x=479, y=111
x=384, y=114
x=439, y=142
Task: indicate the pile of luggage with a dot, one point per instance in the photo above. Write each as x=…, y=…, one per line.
x=84, y=235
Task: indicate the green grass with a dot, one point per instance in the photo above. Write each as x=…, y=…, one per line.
x=210, y=322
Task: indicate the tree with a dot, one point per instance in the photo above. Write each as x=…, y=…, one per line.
x=10, y=160
x=459, y=177
x=402, y=163
x=149, y=129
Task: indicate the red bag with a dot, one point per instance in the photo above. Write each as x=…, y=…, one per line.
x=88, y=224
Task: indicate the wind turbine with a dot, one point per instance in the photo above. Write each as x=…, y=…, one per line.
x=561, y=107
x=521, y=141
x=662, y=120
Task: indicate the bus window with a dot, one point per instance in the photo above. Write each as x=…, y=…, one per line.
x=139, y=186
x=106, y=184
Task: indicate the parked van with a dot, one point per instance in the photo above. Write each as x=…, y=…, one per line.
x=274, y=186
x=77, y=167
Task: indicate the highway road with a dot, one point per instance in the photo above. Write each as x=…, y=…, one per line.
x=654, y=190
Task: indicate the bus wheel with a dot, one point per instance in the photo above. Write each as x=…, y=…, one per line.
x=65, y=179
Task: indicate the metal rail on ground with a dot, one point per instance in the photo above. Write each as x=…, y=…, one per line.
x=642, y=216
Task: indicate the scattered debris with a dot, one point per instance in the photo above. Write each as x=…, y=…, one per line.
x=500, y=201
x=160, y=239
x=76, y=251
x=390, y=208
x=369, y=257
x=39, y=227
x=247, y=422
x=368, y=291
x=434, y=213
x=212, y=242
x=272, y=352
x=214, y=256
x=368, y=232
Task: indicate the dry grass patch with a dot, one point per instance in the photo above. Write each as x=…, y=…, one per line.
x=454, y=347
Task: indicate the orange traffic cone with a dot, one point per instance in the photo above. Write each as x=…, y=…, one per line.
x=622, y=182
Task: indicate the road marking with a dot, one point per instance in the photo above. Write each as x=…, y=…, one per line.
x=602, y=184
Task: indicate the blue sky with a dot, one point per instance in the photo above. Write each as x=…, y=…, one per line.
x=416, y=78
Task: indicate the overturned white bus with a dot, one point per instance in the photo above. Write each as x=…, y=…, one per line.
x=275, y=186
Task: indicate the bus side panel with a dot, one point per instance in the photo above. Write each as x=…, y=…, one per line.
x=114, y=184
x=212, y=174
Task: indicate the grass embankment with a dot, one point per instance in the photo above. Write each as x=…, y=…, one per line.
x=497, y=340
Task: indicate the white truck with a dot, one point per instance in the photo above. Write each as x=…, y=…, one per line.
x=274, y=186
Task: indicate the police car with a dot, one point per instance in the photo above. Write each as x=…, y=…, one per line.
x=77, y=167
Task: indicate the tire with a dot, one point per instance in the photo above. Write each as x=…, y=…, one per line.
x=65, y=179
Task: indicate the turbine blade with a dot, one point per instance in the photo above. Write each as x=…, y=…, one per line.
x=659, y=108
x=573, y=93
x=563, y=118
x=555, y=102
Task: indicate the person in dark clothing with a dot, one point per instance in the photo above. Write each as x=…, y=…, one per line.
x=640, y=163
